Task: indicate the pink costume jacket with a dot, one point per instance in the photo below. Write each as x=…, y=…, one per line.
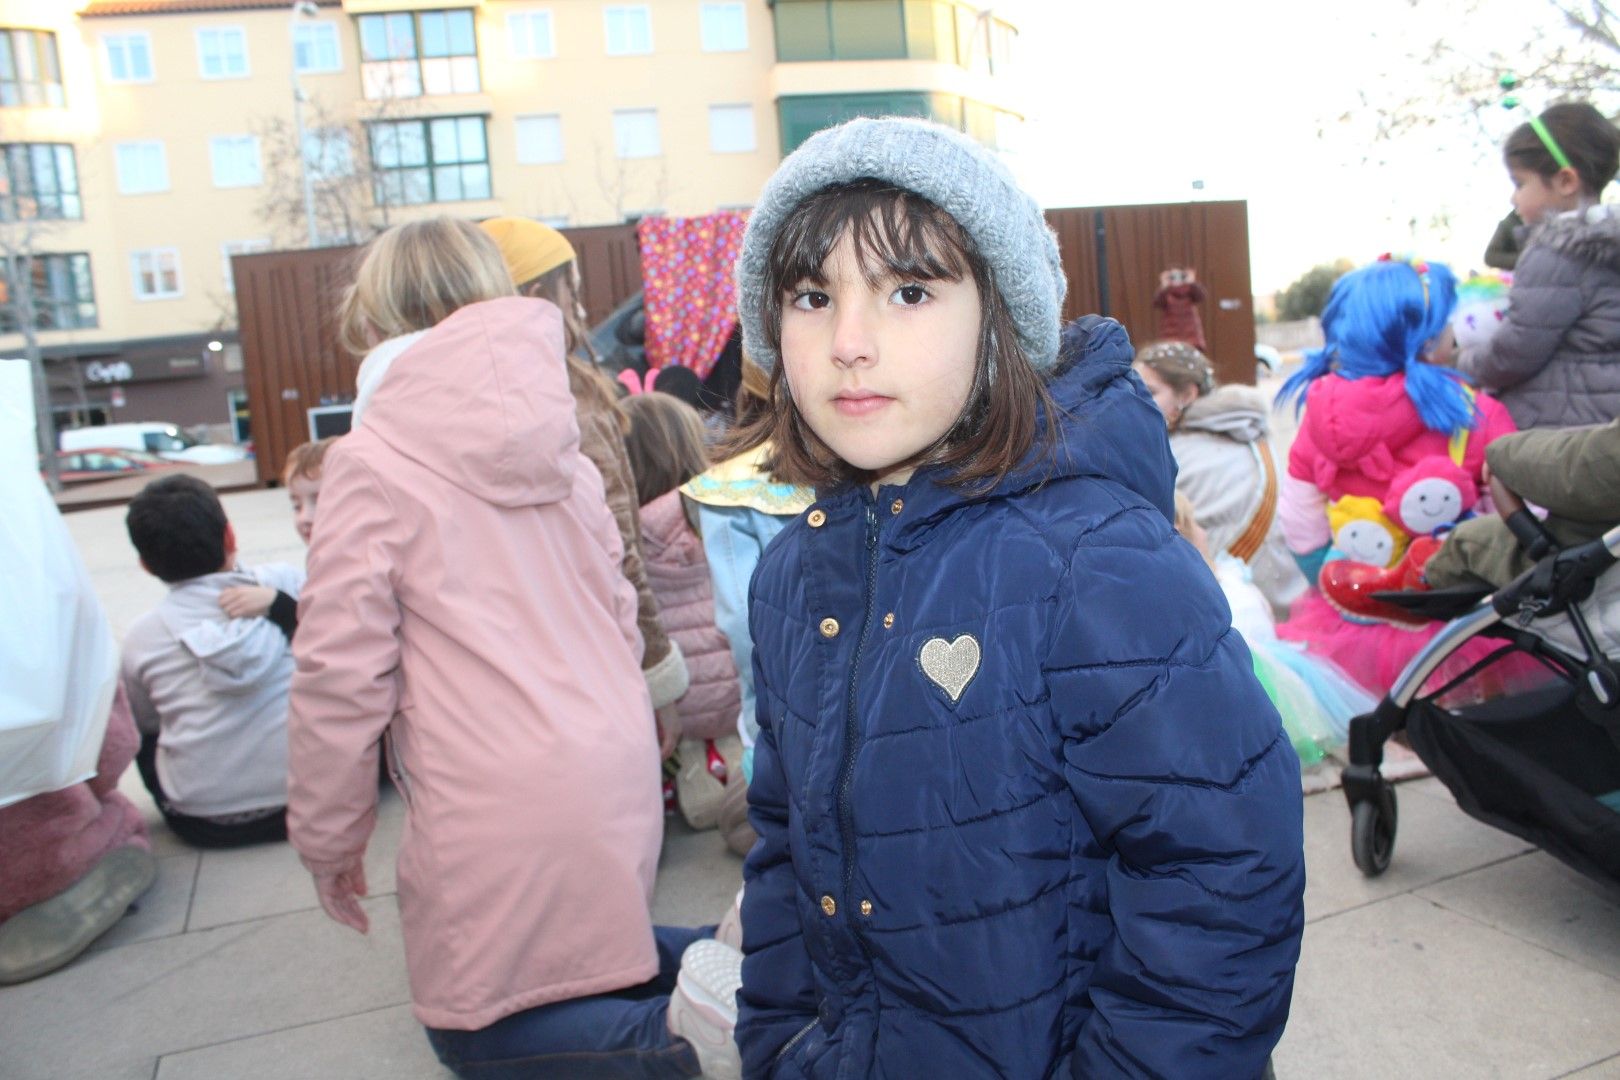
x=1355, y=437
x=465, y=596
x=678, y=572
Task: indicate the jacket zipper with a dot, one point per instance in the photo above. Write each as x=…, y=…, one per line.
x=791, y=1043
x=846, y=767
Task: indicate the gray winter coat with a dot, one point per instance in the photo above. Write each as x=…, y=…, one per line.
x=1555, y=360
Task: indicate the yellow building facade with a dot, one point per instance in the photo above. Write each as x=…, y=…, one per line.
x=146, y=141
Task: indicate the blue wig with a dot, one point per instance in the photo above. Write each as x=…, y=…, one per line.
x=1377, y=321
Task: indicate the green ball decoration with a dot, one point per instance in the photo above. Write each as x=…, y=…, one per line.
x=1508, y=81
x=1510, y=102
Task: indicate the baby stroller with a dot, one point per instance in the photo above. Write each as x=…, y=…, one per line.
x=1542, y=764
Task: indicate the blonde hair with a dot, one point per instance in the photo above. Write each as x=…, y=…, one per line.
x=415, y=275
x=306, y=460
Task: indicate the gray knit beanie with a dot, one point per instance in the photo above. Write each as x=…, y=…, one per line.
x=950, y=170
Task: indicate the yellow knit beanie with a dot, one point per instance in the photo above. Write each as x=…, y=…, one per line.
x=528, y=247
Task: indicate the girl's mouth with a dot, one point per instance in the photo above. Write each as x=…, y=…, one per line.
x=860, y=403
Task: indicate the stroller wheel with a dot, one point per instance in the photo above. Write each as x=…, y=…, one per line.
x=1372, y=834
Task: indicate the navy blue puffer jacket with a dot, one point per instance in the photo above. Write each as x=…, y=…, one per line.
x=1023, y=809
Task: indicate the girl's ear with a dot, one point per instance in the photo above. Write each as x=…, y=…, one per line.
x=1566, y=183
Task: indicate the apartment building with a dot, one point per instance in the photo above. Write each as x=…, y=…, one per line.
x=147, y=141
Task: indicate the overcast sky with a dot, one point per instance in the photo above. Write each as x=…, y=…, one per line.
x=1133, y=102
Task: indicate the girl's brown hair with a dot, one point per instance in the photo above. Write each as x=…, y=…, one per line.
x=415, y=275
x=899, y=235
x=305, y=460
x=665, y=443
x=1179, y=364
x=1586, y=136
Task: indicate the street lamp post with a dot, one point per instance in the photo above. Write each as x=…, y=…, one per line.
x=305, y=9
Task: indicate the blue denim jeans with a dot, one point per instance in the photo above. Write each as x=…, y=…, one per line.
x=616, y=1036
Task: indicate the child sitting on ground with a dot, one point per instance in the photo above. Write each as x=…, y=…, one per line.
x=208, y=692
x=666, y=450
x=302, y=478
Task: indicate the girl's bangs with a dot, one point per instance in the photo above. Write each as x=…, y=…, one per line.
x=895, y=234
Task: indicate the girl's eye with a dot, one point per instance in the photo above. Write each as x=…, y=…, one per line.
x=910, y=295
x=811, y=300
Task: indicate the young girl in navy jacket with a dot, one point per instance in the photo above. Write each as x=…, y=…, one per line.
x=1023, y=809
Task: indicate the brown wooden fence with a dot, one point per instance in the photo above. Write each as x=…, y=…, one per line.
x=287, y=300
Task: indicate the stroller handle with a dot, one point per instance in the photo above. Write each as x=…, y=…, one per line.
x=1556, y=582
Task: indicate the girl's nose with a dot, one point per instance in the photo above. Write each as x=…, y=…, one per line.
x=853, y=339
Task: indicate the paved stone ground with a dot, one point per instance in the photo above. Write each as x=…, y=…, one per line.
x=1474, y=956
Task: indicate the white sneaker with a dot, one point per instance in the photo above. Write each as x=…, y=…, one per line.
x=703, y=1008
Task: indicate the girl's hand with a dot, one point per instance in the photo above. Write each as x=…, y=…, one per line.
x=340, y=894
x=669, y=730
x=246, y=601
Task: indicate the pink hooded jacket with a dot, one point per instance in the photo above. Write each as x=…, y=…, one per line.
x=465, y=596
x=678, y=572
x=1356, y=436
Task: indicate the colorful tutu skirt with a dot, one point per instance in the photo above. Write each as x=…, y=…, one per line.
x=1316, y=700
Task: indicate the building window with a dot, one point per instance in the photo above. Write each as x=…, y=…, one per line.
x=30, y=73
x=40, y=180
x=315, y=48
x=539, y=140
x=406, y=54
x=629, y=29
x=222, y=53
x=156, y=272
x=801, y=116
x=635, y=133
x=445, y=159
x=64, y=298
x=239, y=247
x=128, y=56
x=143, y=167
x=530, y=32
x=948, y=31
x=725, y=27
x=236, y=161
x=731, y=129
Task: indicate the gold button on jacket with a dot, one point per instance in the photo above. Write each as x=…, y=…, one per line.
x=817, y=519
x=829, y=906
x=829, y=627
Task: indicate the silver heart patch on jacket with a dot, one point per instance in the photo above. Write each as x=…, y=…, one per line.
x=950, y=664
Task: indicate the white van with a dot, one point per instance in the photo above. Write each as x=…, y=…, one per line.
x=164, y=440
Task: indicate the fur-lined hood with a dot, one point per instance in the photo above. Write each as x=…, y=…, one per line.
x=1591, y=235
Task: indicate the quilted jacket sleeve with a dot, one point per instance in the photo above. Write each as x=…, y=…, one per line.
x=1543, y=304
x=346, y=688
x=778, y=1001
x=1181, y=768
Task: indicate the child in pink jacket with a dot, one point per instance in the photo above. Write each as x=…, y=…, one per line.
x=466, y=614
x=666, y=449
x=1378, y=405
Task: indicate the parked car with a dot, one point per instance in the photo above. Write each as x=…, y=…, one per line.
x=164, y=440
x=107, y=463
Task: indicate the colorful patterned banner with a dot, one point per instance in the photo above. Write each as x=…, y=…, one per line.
x=691, y=301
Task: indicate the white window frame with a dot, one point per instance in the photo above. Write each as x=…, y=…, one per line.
x=202, y=54
x=161, y=181
x=239, y=247
x=123, y=42
x=627, y=47
x=217, y=148
x=529, y=154
x=736, y=147
x=327, y=29
x=135, y=258
x=716, y=43
x=621, y=133
x=520, y=32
